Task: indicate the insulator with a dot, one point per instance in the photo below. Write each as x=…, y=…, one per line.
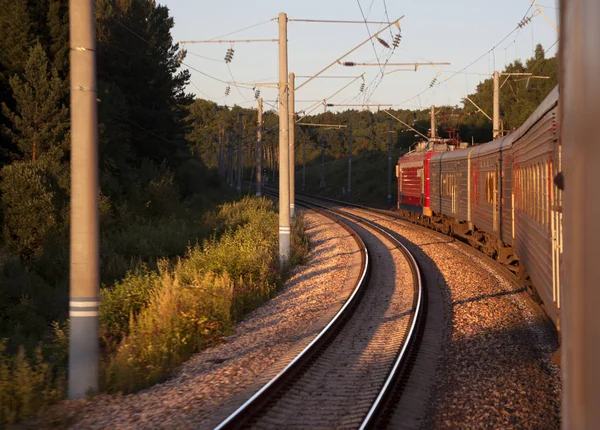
x=256, y=94
x=362, y=87
x=383, y=42
x=229, y=55
x=227, y=90
x=433, y=81
x=349, y=63
x=396, y=41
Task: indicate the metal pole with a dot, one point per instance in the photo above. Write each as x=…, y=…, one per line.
x=221, y=155
x=304, y=164
x=259, y=150
x=322, y=185
x=240, y=157
x=496, y=114
x=84, y=241
x=284, y=175
x=349, y=159
x=389, y=181
x=292, y=156
x=579, y=109
x=433, y=126
x=231, y=158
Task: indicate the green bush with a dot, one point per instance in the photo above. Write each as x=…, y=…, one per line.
x=178, y=321
x=198, y=300
x=26, y=385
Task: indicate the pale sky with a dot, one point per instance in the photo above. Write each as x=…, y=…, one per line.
x=457, y=31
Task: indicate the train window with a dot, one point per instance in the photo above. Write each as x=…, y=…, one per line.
x=538, y=194
x=527, y=191
x=488, y=187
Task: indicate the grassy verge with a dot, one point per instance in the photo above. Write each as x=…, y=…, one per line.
x=154, y=319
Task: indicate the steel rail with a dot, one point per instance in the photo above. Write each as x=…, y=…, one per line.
x=235, y=420
x=368, y=422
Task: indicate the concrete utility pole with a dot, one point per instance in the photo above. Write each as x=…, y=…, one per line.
x=322, y=184
x=579, y=269
x=303, y=164
x=349, y=159
x=221, y=155
x=496, y=113
x=389, y=182
x=292, y=155
x=284, y=175
x=240, y=156
x=231, y=158
x=84, y=241
x=433, y=126
x=259, y=150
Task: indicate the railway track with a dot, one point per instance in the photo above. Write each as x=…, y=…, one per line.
x=345, y=375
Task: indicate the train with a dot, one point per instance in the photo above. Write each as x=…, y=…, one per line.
x=503, y=197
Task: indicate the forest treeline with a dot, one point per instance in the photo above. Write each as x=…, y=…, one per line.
x=152, y=187
x=215, y=126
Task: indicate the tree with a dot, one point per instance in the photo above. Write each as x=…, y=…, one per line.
x=39, y=120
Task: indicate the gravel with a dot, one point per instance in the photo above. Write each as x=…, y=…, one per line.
x=214, y=382
x=495, y=370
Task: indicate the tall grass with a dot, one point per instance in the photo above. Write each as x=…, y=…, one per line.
x=154, y=319
x=198, y=300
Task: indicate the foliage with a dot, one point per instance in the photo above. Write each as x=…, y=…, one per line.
x=153, y=321
x=26, y=385
x=28, y=205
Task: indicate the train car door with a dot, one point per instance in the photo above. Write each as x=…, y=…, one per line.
x=454, y=192
x=496, y=197
x=556, y=226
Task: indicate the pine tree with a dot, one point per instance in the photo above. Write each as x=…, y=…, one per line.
x=39, y=122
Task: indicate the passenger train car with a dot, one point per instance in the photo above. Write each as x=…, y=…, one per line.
x=499, y=196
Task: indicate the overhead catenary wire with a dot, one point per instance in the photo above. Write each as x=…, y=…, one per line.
x=244, y=29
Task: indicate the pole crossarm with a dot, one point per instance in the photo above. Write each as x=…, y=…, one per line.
x=358, y=104
x=415, y=65
x=351, y=51
x=405, y=124
x=321, y=125
x=334, y=21
x=466, y=96
x=541, y=12
x=314, y=106
x=527, y=77
x=327, y=77
x=229, y=41
x=258, y=84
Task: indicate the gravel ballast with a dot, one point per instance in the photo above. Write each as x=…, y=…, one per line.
x=495, y=369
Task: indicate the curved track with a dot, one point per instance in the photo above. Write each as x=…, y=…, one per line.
x=344, y=376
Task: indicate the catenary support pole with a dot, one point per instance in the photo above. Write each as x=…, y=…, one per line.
x=240, y=157
x=389, y=179
x=496, y=113
x=292, y=156
x=349, y=159
x=284, y=175
x=259, y=150
x=433, y=126
x=84, y=241
x=322, y=184
x=304, y=164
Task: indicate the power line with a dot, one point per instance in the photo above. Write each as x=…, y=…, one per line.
x=243, y=29
x=185, y=64
x=206, y=58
